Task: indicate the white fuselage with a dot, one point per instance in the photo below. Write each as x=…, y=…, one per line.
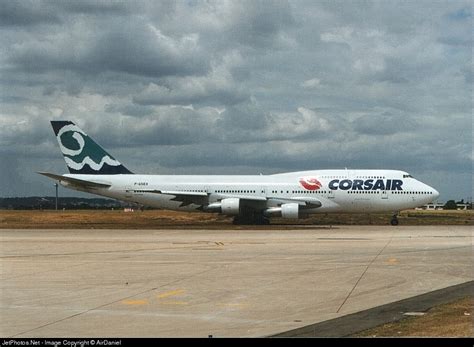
x=337, y=190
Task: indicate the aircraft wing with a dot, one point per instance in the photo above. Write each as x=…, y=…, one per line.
x=179, y=192
x=244, y=197
x=186, y=198
x=76, y=181
x=305, y=202
x=200, y=198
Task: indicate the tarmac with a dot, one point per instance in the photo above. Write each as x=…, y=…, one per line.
x=224, y=283
x=360, y=321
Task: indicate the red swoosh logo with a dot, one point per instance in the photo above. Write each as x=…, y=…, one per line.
x=310, y=183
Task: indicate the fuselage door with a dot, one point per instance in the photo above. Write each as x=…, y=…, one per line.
x=331, y=194
x=384, y=194
x=128, y=192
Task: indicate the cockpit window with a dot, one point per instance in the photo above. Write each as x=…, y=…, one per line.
x=407, y=176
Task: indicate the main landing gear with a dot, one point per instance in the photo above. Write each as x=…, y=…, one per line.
x=394, y=220
x=253, y=219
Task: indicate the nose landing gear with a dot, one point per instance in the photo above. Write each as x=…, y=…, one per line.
x=394, y=220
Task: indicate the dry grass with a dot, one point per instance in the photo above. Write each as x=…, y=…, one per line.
x=155, y=219
x=103, y=219
x=450, y=320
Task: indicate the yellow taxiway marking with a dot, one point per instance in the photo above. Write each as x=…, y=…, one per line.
x=233, y=305
x=171, y=293
x=135, y=302
x=173, y=303
x=393, y=261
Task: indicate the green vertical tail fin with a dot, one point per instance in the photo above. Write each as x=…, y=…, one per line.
x=82, y=154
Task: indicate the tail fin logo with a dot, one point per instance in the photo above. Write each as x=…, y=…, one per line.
x=82, y=154
x=65, y=136
x=77, y=134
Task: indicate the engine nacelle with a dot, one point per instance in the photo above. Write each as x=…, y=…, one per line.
x=230, y=206
x=290, y=211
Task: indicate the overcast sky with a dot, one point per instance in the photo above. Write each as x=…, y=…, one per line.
x=203, y=87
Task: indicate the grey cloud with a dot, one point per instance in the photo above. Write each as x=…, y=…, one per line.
x=453, y=28
x=189, y=94
x=466, y=72
x=462, y=13
x=250, y=26
x=12, y=99
x=122, y=46
x=243, y=117
x=309, y=155
x=130, y=110
x=455, y=41
x=261, y=23
x=166, y=126
x=384, y=124
x=24, y=132
x=11, y=173
x=26, y=14
x=91, y=7
x=136, y=49
x=215, y=86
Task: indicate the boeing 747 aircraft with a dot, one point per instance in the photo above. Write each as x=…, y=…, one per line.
x=251, y=199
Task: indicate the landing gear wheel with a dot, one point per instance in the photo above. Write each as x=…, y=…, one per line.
x=251, y=220
x=237, y=221
x=394, y=220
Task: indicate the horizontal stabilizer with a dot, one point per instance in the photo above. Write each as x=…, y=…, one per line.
x=75, y=181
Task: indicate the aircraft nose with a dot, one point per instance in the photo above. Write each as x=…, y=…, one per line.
x=435, y=193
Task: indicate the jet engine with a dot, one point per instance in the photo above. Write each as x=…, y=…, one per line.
x=290, y=211
x=229, y=206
